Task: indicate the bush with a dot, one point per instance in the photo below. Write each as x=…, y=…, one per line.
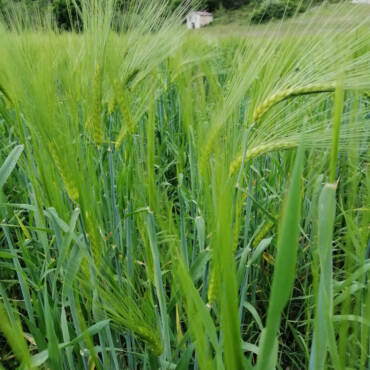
x=276, y=10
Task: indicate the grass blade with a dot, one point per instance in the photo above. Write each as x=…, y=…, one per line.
x=9, y=164
x=284, y=271
x=159, y=286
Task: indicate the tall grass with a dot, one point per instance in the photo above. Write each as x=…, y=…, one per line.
x=154, y=211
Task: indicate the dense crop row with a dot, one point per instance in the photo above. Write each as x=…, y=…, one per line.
x=168, y=201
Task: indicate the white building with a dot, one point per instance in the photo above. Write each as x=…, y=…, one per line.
x=361, y=2
x=198, y=19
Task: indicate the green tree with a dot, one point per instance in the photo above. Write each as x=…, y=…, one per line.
x=66, y=14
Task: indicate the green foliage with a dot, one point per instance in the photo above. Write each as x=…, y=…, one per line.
x=9, y=164
x=276, y=10
x=66, y=14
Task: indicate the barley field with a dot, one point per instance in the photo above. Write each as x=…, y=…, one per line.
x=173, y=199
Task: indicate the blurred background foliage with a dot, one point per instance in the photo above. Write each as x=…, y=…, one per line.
x=254, y=11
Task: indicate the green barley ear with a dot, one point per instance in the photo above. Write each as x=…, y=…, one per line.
x=94, y=123
x=262, y=233
x=122, y=98
x=150, y=338
x=131, y=77
x=129, y=309
x=259, y=150
x=214, y=286
x=208, y=149
x=278, y=97
x=95, y=238
x=112, y=105
x=67, y=179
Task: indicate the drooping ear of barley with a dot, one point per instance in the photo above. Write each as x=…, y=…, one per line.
x=284, y=135
x=259, y=150
x=94, y=123
x=258, y=114
x=278, y=97
x=65, y=174
x=129, y=309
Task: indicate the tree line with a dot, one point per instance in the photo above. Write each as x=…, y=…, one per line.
x=66, y=15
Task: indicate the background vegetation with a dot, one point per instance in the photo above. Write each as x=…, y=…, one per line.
x=178, y=201
x=251, y=10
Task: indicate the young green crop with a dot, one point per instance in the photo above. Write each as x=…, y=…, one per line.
x=154, y=210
